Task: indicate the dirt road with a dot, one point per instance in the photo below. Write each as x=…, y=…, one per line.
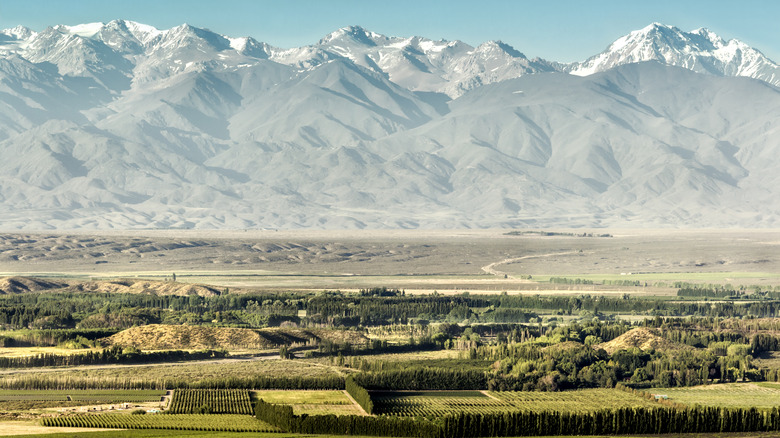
x=491, y=268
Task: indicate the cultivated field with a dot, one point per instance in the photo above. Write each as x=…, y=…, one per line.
x=211, y=401
x=762, y=395
x=117, y=375
x=83, y=395
x=220, y=423
x=312, y=402
x=438, y=403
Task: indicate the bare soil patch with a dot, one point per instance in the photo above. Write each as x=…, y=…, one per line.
x=352, y=260
x=16, y=285
x=641, y=338
x=12, y=428
x=166, y=337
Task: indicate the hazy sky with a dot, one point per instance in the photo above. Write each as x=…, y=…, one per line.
x=558, y=30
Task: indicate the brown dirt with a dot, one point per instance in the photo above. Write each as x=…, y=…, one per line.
x=10, y=428
x=165, y=337
x=17, y=285
x=147, y=287
x=641, y=338
x=348, y=260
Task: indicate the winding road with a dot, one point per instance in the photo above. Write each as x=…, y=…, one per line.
x=491, y=268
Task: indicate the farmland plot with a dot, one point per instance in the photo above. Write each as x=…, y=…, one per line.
x=732, y=395
x=211, y=401
x=584, y=400
x=85, y=395
x=437, y=403
x=312, y=402
x=223, y=423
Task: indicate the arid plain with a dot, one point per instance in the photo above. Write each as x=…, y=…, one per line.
x=416, y=260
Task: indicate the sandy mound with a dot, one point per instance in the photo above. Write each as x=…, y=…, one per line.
x=148, y=287
x=18, y=285
x=642, y=338
x=166, y=337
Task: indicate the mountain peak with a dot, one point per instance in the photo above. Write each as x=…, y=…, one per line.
x=185, y=35
x=353, y=33
x=19, y=32
x=86, y=30
x=498, y=47
x=142, y=32
x=700, y=50
x=656, y=27
x=250, y=47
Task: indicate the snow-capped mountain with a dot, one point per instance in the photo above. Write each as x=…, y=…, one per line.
x=700, y=50
x=416, y=63
x=123, y=125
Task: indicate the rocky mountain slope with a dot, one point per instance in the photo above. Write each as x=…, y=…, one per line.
x=122, y=125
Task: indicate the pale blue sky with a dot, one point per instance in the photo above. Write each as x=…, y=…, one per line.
x=557, y=30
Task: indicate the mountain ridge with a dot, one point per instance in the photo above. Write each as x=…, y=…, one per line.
x=122, y=125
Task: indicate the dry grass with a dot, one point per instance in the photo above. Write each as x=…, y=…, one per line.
x=165, y=337
x=15, y=285
x=313, y=402
x=187, y=371
x=32, y=351
x=12, y=428
x=418, y=260
x=641, y=338
x=134, y=286
x=417, y=356
x=314, y=409
x=736, y=395
x=309, y=397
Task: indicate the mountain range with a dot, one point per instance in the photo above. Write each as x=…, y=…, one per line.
x=122, y=125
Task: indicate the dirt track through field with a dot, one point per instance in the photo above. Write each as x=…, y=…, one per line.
x=355, y=403
x=491, y=268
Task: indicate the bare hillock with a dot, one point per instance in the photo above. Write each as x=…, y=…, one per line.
x=148, y=287
x=186, y=337
x=18, y=285
x=642, y=338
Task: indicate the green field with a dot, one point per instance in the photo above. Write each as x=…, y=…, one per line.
x=86, y=395
x=732, y=395
x=308, y=397
x=312, y=402
x=584, y=400
x=167, y=372
x=220, y=423
x=211, y=401
x=437, y=403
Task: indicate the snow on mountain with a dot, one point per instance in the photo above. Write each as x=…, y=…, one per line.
x=418, y=64
x=701, y=50
x=122, y=125
x=17, y=34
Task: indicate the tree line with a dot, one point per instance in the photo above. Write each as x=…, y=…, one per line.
x=375, y=307
x=361, y=396
x=660, y=420
x=112, y=355
x=282, y=417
